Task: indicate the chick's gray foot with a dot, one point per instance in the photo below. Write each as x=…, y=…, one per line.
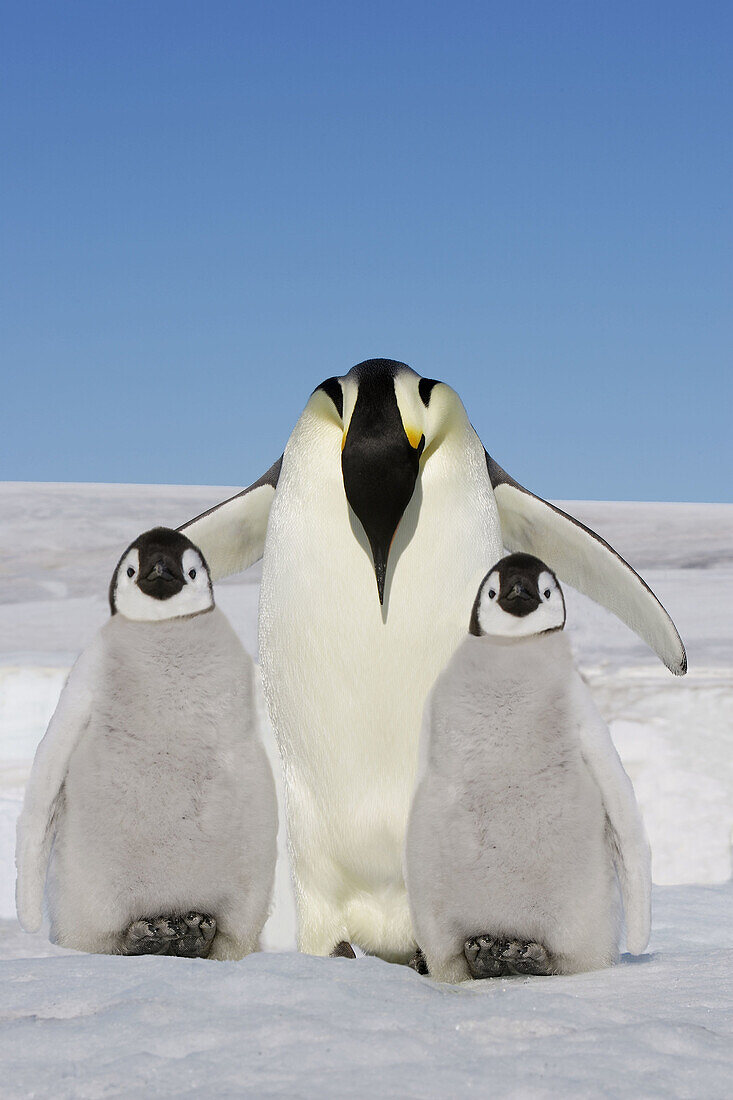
x=419, y=963
x=526, y=958
x=150, y=937
x=196, y=933
x=489, y=957
x=483, y=957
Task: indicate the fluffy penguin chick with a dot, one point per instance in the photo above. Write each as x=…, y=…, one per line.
x=524, y=822
x=151, y=801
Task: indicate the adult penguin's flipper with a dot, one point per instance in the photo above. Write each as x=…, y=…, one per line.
x=586, y=561
x=231, y=535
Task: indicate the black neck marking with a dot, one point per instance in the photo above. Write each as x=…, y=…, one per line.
x=332, y=387
x=425, y=388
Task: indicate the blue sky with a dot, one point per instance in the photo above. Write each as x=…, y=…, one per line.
x=209, y=208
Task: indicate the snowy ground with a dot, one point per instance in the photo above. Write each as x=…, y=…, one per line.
x=287, y=1025
x=283, y=1024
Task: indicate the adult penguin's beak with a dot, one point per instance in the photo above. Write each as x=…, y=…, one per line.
x=380, y=463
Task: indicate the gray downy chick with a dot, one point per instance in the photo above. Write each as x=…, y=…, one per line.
x=524, y=840
x=150, y=815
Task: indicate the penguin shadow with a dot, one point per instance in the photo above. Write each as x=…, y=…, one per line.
x=402, y=538
x=628, y=959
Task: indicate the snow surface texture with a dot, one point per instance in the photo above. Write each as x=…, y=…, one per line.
x=296, y=1026
x=284, y=1024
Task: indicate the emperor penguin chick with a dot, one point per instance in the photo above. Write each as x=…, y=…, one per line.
x=151, y=802
x=524, y=824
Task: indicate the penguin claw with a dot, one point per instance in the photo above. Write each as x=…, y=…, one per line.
x=148, y=937
x=196, y=937
x=526, y=958
x=492, y=958
x=343, y=950
x=483, y=957
x=188, y=937
x=418, y=962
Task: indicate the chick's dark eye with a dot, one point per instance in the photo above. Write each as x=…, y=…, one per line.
x=547, y=593
x=492, y=593
x=130, y=572
x=192, y=574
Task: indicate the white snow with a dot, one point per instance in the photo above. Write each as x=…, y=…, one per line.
x=283, y=1024
x=288, y=1025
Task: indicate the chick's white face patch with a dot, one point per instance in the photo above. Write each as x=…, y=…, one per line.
x=552, y=607
x=195, y=596
x=490, y=615
x=548, y=615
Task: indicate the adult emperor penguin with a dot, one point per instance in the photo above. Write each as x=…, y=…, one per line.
x=151, y=792
x=524, y=821
x=376, y=527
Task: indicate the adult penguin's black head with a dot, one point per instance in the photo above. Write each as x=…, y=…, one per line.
x=391, y=420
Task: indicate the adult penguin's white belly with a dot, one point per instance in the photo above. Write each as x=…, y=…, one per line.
x=346, y=678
